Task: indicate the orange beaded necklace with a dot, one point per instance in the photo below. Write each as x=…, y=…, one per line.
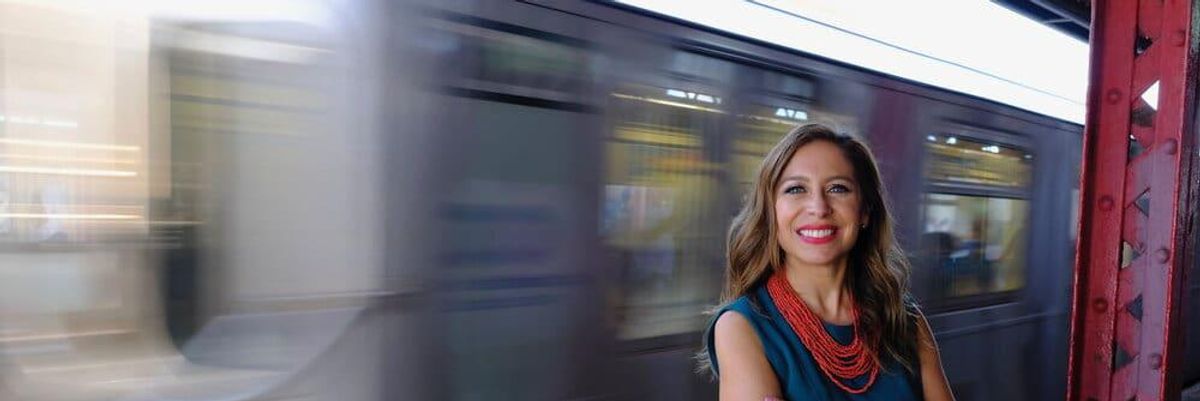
x=838, y=362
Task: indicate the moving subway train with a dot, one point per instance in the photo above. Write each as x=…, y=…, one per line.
x=466, y=200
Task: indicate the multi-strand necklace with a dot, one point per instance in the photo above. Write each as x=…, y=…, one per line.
x=839, y=362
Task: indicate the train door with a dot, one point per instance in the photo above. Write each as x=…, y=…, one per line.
x=975, y=229
x=514, y=189
x=663, y=210
x=74, y=189
x=209, y=156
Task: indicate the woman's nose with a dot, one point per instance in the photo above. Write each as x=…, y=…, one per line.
x=818, y=205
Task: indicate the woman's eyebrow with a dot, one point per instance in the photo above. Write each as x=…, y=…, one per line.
x=806, y=179
x=793, y=178
x=841, y=177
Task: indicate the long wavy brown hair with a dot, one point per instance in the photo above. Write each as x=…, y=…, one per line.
x=877, y=269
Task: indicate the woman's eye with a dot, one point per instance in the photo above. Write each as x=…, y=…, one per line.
x=795, y=189
x=839, y=189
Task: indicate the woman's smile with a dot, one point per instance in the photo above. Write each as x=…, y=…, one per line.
x=817, y=234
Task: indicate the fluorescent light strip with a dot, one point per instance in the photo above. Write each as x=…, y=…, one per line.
x=61, y=124
x=67, y=171
x=70, y=145
x=88, y=205
x=244, y=47
x=10, y=156
x=769, y=119
x=60, y=336
x=37, y=121
x=70, y=216
x=666, y=103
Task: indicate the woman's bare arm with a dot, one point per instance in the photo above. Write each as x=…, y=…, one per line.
x=933, y=378
x=745, y=373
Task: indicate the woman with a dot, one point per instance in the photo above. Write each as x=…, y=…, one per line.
x=819, y=287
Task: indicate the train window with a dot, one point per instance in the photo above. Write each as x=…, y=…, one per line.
x=762, y=124
x=495, y=57
x=975, y=217
x=660, y=198
x=965, y=161
x=975, y=243
x=759, y=129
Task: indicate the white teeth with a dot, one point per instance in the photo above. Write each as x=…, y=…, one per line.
x=816, y=233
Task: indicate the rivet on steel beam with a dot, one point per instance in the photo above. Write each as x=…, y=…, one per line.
x=1106, y=203
x=1162, y=255
x=1170, y=146
x=1155, y=361
x=1100, y=305
x=1113, y=96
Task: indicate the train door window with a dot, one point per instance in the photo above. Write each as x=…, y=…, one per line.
x=976, y=214
x=478, y=57
x=660, y=198
x=760, y=127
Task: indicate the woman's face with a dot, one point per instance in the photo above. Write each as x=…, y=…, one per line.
x=817, y=206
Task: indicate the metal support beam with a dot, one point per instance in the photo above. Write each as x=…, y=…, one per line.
x=1138, y=202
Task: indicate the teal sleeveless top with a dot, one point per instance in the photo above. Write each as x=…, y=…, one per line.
x=800, y=378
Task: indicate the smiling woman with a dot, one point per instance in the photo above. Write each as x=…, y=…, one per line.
x=818, y=285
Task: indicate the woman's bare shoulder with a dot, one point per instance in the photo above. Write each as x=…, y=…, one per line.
x=745, y=371
x=733, y=328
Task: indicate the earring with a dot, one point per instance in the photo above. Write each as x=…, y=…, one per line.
x=864, y=225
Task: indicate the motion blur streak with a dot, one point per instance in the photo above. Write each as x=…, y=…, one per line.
x=190, y=202
x=468, y=200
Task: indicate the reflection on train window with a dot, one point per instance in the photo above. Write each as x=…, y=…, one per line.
x=758, y=131
x=960, y=160
x=659, y=208
x=975, y=244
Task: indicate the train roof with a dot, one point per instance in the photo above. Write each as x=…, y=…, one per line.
x=974, y=47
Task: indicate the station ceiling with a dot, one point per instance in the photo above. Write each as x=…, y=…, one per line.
x=1072, y=17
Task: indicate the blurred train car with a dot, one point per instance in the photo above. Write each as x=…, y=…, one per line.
x=639, y=133
x=189, y=203
x=466, y=200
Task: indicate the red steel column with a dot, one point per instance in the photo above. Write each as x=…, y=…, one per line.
x=1137, y=202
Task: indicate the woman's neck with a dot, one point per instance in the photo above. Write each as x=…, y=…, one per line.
x=823, y=289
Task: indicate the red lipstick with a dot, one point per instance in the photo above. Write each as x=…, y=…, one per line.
x=817, y=234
